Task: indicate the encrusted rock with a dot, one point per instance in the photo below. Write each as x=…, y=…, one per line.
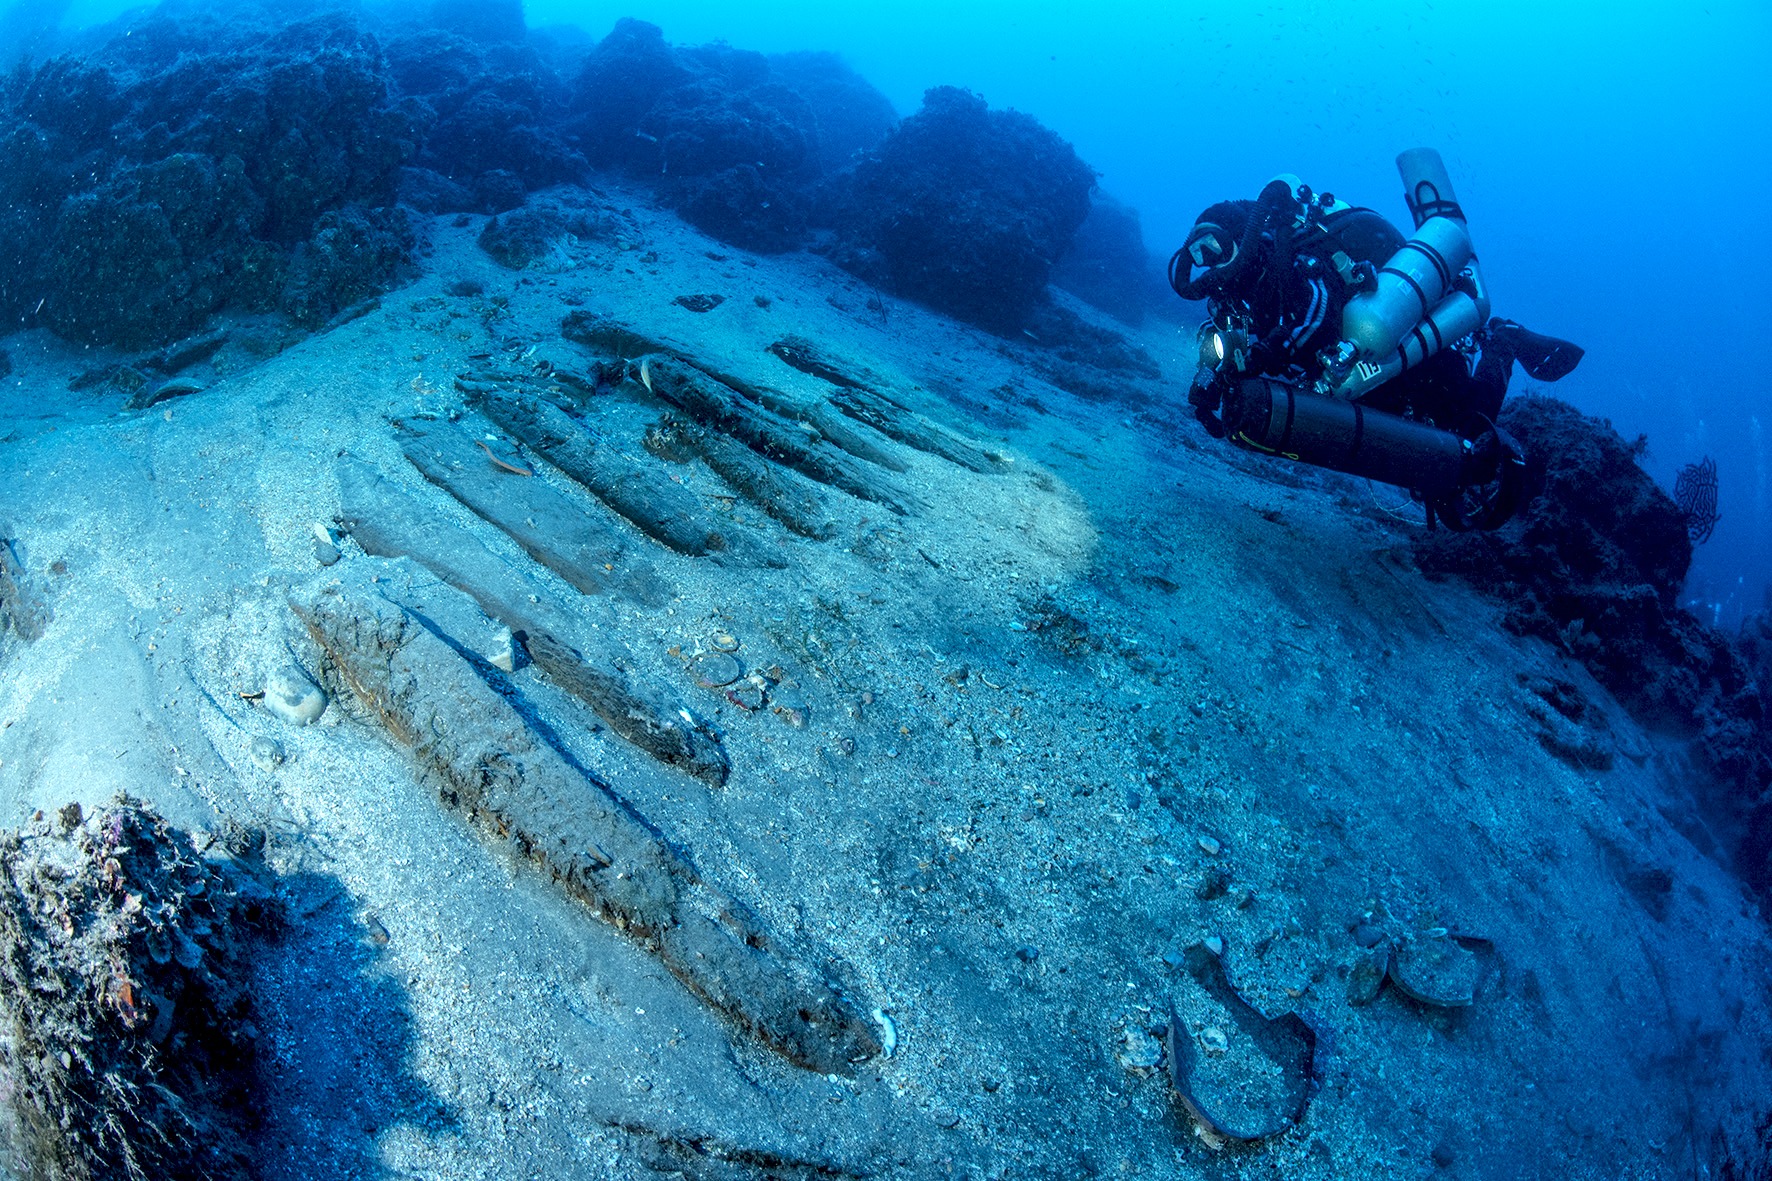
x=123, y=992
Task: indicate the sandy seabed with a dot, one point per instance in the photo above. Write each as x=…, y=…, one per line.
x=1020, y=732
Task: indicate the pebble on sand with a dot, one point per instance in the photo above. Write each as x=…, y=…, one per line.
x=291, y=696
x=505, y=653
x=267, y=753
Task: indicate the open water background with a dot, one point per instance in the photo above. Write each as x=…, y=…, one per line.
x=1612, y=158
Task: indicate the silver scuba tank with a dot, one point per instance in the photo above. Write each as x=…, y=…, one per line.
x=1409, y=288
x=1427, y=190
x=1429, y=294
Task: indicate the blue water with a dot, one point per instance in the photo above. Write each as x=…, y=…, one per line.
x=1612, y=159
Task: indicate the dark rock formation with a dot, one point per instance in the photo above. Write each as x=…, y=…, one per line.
x=965, y=209
x=353, y=254
x=622, y=77
x=736, y=142
x=182, y=166
x=429, y=191
x=1594, y=564
x=128, y=1048
x=1596, y=558
x=489, y=109
x=523, y=236
x=852, y=117
x=480, y=20
x=1108, y=266
x=736, y=162
x=1755, y=643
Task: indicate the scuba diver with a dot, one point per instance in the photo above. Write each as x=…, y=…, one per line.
x=1335, y=342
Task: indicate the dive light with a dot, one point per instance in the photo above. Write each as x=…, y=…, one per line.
x=1224, y=345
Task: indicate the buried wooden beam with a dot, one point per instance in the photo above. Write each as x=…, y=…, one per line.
x=477, y=755
x=388, y=523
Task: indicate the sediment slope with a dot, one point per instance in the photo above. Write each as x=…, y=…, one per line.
x=783, y=736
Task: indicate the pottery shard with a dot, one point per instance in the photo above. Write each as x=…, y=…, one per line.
x=1440, y=969
x=1260, y=1089
x=476, y=753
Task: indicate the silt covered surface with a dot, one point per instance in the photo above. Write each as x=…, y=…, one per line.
x=1026, y=730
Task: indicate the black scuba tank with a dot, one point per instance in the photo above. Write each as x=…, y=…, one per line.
x=1469, y=484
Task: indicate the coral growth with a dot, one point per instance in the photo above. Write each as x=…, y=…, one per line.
x=179, y=168
x=965, y=209
x=1594, y=564
x=126, y=1049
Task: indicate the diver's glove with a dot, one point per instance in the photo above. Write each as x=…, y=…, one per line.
x=1206, y=395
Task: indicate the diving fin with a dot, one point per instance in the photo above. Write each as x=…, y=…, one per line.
x=1544, y=358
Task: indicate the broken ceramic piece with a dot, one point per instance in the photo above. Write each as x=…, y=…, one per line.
x=1262, y=1082
x=1441, y=969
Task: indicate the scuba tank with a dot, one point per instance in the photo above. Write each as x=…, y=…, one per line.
x=1410, y=287
x=1466, y=483
x=1429, y=294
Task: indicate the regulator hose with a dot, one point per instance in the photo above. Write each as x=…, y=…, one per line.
x=1274, y=197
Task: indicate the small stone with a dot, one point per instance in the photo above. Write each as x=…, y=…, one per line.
x=325, y=552
x=1210, y=846
x=1367, y=935
x=267, y=753
x=1213, y=944
x=723, y=642
x=505, y=653
x=1213, y=1041
x=1027, y=953
x=70, y=816
x=186, y=950
x=291, y=696
x=1141, y=1051
x=1215, y=884
x=374, y=929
